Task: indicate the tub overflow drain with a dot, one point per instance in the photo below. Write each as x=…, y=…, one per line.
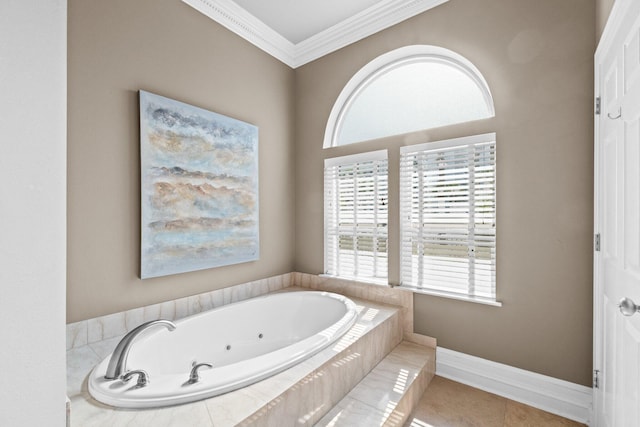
x=260, y=336
x=228, y=347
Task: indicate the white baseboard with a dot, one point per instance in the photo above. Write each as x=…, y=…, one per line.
x=559, y=397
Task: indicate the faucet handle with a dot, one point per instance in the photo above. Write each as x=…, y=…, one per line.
x=143, y=377
x=193, y=376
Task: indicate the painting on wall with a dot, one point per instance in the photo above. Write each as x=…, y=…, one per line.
x=199, y=188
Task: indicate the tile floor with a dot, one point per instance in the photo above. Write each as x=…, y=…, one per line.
x=450, y=404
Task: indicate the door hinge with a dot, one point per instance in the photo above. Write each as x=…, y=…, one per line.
x=598, y=105
x=596, y=378
x=596, y=242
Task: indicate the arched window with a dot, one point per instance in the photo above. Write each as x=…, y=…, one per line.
x=447, y=189
x=407, y=90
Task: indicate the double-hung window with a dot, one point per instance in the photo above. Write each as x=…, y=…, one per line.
x=356, y=216
x=448, y=217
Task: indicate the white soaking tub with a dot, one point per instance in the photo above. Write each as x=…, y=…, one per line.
x=244, y=342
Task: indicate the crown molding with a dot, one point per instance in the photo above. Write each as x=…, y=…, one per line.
x=376, y=18
x=371, y=20
x=236, y=19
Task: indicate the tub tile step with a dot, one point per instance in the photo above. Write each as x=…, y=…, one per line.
x=388, y=394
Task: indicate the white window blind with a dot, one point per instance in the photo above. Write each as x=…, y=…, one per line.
x=356, y=215
x=448, y=216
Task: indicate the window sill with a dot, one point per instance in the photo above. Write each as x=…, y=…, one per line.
x=478, y=300
x=379, y=282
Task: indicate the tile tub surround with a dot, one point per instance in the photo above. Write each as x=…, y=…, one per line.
x=116, y=325
x=385, y=294
x=300, y=395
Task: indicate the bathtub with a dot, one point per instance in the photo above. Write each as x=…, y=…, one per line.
x=244, y=342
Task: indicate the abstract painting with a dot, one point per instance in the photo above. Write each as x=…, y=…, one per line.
x=199, y=188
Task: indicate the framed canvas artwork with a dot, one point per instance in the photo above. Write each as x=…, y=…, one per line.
x=199, y=188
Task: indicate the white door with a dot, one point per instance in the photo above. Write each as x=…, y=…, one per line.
x=617, y=220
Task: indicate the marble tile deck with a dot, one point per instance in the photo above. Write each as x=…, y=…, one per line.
x=300, y=395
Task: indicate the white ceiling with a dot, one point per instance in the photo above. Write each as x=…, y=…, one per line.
x=297, y=20
x=299, y=31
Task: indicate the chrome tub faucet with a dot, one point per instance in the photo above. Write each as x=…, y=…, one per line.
x=194, y=377
x=118, y=361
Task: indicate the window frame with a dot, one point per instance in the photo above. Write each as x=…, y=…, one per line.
x=360, y=158
x=383, y=64
x=407, y=187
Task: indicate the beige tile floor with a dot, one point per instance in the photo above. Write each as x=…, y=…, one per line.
x=450, y=404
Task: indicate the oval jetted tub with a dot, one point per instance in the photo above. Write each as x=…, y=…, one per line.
x=244, y=342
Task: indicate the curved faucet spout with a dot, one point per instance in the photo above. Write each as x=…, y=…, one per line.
x=118, y=361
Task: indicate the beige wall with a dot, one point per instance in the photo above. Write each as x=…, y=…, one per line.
x=537, y=57
x=117, y=47
x=603, y=10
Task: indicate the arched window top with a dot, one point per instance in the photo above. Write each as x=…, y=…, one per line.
x=406, y=90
